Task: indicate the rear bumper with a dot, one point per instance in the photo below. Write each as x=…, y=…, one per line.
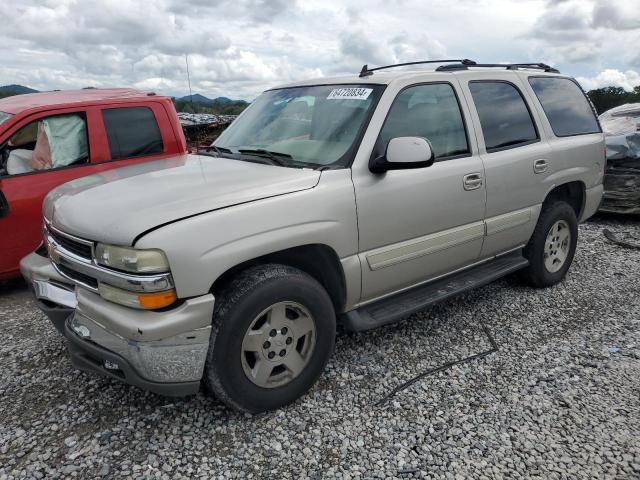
x=54, y=294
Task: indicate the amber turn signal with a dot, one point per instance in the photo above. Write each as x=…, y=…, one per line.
x=157, y=300
x=145, y=301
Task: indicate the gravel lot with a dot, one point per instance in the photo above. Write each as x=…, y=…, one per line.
x=560, y=399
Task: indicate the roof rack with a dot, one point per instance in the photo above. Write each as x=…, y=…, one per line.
x=366, y=71
x=462, y=64
x=508, y=66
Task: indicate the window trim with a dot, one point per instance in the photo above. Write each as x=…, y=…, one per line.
x=88, y=163
x=573, y=80
x=526, y=104
x=462, y=116
x=106, y=132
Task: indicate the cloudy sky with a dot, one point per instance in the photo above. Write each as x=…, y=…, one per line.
x=237, y=48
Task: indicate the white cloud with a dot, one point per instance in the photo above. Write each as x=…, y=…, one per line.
x=611, y=77
x=238, y=48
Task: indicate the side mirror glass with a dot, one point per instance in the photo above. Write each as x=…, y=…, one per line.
x=404, y=153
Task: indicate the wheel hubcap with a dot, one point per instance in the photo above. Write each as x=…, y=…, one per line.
x=556, y=246
x=278, y=345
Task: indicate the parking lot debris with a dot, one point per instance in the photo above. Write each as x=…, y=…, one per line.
x=201, y=129
x=446, y=366
x=408, y=470
x=624, y=239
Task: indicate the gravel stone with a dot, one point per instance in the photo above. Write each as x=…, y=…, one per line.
x=558, y=400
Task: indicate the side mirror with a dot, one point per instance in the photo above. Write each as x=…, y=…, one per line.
x=404, y=153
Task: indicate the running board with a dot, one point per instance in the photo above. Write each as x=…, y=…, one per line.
x=392, y=309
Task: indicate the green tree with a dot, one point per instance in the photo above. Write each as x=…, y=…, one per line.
x=608, y=97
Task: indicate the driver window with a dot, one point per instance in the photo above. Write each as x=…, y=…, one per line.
x=45, y=144
x=430, y=111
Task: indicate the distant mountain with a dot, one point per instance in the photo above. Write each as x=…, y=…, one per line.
x=16, y=89
x=197, y=98
x=226, y=101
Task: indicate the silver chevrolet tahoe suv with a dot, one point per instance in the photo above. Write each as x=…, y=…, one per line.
x=349, y=201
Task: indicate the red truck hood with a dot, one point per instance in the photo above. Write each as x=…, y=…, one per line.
x=118, y=205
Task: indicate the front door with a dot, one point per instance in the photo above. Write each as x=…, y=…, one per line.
x=38, y=155
x=415, y=225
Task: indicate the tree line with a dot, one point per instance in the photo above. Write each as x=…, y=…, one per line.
x=218, y=108
x=608, y=97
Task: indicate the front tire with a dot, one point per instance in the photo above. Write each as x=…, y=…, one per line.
x=273, y=332
x=552, y=246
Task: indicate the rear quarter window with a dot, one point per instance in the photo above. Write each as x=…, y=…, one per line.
x=132, y=132
x=565, y=105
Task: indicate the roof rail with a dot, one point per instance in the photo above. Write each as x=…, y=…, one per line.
x=366, y=71
x=508, y=66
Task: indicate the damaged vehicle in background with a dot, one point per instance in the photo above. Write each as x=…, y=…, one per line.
x=621, y=127
x=49, y=138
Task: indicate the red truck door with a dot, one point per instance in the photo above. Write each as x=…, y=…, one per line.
x=40, y=152
x=115, y=135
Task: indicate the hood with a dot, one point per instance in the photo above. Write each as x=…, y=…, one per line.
x=117, y=205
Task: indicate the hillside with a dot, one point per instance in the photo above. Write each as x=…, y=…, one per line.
x=10, y=90
x=198, y=103
x=16, y=89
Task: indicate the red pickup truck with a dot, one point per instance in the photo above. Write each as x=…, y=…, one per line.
x=47, y=139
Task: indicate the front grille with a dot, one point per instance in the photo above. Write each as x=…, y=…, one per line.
x=71, y=245
x=80, y=277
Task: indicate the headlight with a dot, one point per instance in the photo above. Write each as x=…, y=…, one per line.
x=146, y=301
x=131, y=259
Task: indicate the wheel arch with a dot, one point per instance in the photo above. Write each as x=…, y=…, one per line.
x=317, y=260
x=571, y=192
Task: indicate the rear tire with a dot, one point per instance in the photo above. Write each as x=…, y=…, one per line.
x=552, y=246
x=272, y=334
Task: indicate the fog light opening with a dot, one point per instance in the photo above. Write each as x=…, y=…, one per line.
x=111, y=365
x=82, y=331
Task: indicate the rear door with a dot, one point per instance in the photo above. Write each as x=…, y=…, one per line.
x=134, y=133
x=516, y=160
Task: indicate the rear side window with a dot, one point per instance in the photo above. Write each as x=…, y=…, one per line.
x=565, y=105
x=504, y=116
x=132, y=132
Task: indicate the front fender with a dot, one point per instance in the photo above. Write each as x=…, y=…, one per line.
x=200, y=249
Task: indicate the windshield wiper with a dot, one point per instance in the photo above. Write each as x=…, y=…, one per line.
x=217, y=149
x=275, y=157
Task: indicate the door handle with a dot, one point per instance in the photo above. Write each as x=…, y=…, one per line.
x=4, y=206
x=540, y=166
x=472, y=181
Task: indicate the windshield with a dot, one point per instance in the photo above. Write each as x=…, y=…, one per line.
x=4, y=117
x=316, y=126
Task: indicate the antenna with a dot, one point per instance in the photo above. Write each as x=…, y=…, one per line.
x=186, y=60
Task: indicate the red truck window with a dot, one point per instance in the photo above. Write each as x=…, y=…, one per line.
x=132, y=132
x=47, y=143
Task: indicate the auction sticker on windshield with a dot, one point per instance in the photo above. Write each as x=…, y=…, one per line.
x=350, y=93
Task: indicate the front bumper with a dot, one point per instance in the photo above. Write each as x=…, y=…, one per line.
x=91, y=357
x=54, y=294
x=161, y=351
